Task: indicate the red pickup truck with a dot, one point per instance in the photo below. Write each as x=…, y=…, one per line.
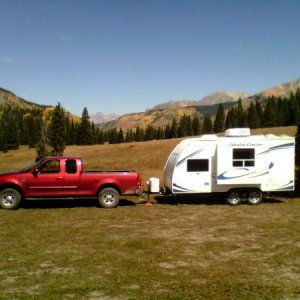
x=63, y=177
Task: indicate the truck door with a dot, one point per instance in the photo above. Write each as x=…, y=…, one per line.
x=47, y=180
x=72, y=177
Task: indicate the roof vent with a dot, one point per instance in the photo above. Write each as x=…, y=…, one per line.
x=238, y=132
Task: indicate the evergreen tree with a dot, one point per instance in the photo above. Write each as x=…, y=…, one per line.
x=73, y=134
x=120, y=136
x=183, y=127
x=84, y=130
x=43, y=148
x=241, y=115
x=252, y=116
x=149, y=133
x=10, y=129
x=57, y=131
x=174, y=129
x=196, y=125
x=259, y=113
x=269, y=114
x=160, y=134
x=93, y=134
x=219, y=124
x=207, y=125
x=139, y=134
x=100, y=136
x=129, y=137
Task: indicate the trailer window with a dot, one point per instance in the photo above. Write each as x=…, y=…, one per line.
x=243, y=158
x=71, y=166
x=197, y=165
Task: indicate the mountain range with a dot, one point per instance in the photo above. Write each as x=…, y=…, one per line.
x=163, y=114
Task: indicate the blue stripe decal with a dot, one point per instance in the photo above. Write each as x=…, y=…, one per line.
x=177, y=188
x=190, y=155
x=279, y=147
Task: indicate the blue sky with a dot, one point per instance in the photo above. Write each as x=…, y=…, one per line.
x=128, y=55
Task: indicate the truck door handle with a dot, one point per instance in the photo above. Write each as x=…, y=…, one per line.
x=60, y=177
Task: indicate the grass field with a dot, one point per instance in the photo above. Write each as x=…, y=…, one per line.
x=178, y=248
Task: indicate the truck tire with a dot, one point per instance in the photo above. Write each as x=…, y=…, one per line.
x=10, y=198
x=233, y=198
x=254, y=197
x=108, y=198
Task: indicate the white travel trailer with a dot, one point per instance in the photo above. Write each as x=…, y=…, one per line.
x=240, y=165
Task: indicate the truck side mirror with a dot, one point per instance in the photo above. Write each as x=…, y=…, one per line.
x=35, y=172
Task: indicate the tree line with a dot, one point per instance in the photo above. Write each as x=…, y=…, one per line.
x=51, y=134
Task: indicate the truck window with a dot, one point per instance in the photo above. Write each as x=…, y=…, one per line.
x=50, y=167
x=197, y=165
x=71, y=166
x=243, y=157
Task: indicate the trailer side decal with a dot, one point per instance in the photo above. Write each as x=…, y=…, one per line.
x=190, y=155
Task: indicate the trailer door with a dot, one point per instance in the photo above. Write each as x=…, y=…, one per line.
x=200, y=170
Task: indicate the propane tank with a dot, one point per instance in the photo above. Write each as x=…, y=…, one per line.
x=153, y=185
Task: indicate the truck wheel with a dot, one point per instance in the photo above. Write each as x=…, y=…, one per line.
x=254, y=197
x=10, y=198
x=108, y=198
x=233, y=198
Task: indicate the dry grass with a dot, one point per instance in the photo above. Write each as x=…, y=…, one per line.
x=200, y=249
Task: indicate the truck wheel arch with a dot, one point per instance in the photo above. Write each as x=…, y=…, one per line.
x=109, y=185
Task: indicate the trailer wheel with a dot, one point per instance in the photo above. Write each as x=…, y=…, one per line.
x=233, y=198
x=10, y=198
x=108, y=198
x=254, y=197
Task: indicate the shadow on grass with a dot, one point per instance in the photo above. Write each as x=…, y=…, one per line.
x=190, y=199
x=208, y=200
x=66, y=203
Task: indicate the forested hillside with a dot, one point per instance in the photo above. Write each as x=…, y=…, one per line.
x=34, y=127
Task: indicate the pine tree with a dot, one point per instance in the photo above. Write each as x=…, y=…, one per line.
x=259, y=113
x=100, y=136
x=10, y=129
x=139, y=134
x=72, y=134
x=57, y=131
x=120, y=136
x=43, y=148
x=196, y=125
x=252, y=116
x=219, y=124
x=129, y=137
x=149, y=133
x=174, y=129
x=183, y=127
x=207, y=125
x=241, y=115
x=269, y=114
x=84, y=130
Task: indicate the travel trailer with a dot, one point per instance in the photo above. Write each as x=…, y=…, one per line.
x=240, y=165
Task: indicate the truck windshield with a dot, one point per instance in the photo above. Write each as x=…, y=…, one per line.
x=32, y=166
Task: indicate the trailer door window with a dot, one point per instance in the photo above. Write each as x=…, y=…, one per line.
x=197, y=165
x=243, y=158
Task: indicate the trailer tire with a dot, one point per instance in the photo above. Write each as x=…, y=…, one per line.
x=10, y=198
x=108, y=198
x=254, y=197
x=233, y=198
